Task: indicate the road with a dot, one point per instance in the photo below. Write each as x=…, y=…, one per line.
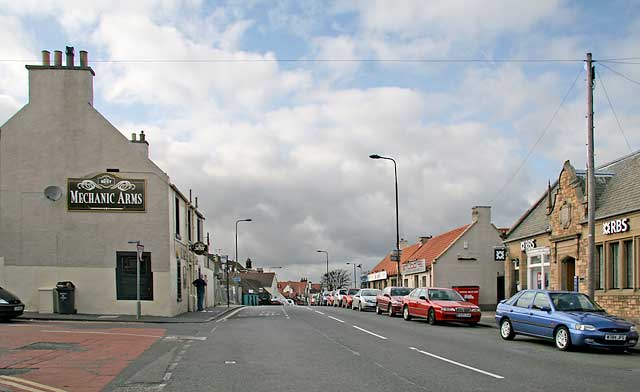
x=296, y=349
x=331, y=349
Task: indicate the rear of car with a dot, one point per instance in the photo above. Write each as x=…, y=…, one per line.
x=10, y=305
x=348, y=299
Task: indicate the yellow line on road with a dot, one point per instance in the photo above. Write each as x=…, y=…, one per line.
x=8, y=380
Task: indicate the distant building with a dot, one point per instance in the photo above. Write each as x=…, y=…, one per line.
x=74, y=191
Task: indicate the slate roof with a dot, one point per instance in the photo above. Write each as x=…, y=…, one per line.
x=437, y=245
x=255, y=280
x=617, y=192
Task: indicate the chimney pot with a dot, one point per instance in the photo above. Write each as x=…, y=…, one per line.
x=142, y=137
x=69, y=53
x=84, y=60
x=46, y=58
x=133, y=137
x=57, y=58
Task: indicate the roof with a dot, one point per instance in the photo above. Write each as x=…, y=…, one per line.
x=297, y=287
x=256, y=280
x=391, y=266
x=437, y=245
x=617, y=192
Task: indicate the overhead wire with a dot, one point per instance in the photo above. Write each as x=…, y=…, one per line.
x=620, y=74
x=542, y=134
x=606, y=94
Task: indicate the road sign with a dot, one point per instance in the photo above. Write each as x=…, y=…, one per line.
x=236, y=279
x=140, y=249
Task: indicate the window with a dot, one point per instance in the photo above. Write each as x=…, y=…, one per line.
x=177, y=207
x=199, y=230
x=424, y=281
x=406, y=283
x=600, y=266
x=615, y=264
x=525, y=299
x=179, y=282
x=189, y=225
x=541, y=301
x=628, y=264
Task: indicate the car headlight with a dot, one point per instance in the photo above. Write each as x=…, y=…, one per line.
x=475, y=309
x=3, y=302
x=585, y=327
x=449, y=309
x=633, y=328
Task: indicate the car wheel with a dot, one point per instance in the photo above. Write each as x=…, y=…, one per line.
x=506, y=330
x=390, y=311
x=405, y=313
x=562, y=338
x=431, y=317
x=378, y=310
x=473, y=324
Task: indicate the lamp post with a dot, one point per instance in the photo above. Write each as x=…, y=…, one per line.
x=354, y=273
x=397, y=252
x=139, y=252
x=236, y=260
x=327, y=254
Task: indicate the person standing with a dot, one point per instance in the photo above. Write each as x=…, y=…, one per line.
x=200, y=285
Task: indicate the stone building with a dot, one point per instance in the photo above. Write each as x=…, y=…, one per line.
x=547, y=246
x=74, y=192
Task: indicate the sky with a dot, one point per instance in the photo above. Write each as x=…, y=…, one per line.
x=269, y=109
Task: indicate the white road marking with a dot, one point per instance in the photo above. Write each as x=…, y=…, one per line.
x=213, y=330
x=337, y=319
x=173, y=365
x=457, y=363
x=285, y=313
x=369, y=332
x=173, y=337
x=233, y=313
x=105, y=333
x=167, y=376
x=319, y=312
x=7, y=380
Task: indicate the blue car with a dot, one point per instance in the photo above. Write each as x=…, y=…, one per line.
x=568, y=318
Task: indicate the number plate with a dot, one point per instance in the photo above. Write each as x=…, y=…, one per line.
x=463, y=315
x=17, y=308
x=615, y=337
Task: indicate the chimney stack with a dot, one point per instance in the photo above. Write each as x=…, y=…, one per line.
x=46, y=58
x=424, y=240
x=403, y=243
x=69, y=54
x=84, y=60
x=481, y=214
x=57, y=58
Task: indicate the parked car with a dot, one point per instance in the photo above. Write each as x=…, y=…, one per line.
x=348, y=299
x=365, y=299
x=439, y=304
x=325, y=298
x=339, y=297
x=10, y=305
x=566, y=317
x=330, y=298
x=390, y=300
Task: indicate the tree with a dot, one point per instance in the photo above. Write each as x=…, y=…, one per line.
x=336, y=279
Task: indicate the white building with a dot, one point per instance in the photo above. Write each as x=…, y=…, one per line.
x=74, y=191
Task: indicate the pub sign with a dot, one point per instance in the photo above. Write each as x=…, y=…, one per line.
x=106, y=192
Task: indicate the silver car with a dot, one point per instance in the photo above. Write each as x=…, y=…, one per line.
x=365, y=299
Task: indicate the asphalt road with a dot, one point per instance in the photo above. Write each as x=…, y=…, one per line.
x=331, y=349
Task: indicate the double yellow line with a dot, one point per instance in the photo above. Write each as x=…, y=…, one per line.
x=26, y=385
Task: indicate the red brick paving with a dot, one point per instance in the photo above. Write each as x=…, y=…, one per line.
x=96, y=361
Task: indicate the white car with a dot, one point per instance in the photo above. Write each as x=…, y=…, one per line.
x=365, y=299
x=289, y=302
x=338, y=296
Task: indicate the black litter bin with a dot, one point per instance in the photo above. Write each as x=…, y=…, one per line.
x=66, y=297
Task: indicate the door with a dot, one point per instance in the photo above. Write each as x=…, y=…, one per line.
x=126, y=276
x=569, y=269
x=500, y=288
x=540, y=320
x=519, y=313
x=422, y=305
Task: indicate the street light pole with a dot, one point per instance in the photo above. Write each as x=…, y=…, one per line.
x=327, y=254
x=139, y=252
x=354, y=273
x=395, y=172
x=236, y=260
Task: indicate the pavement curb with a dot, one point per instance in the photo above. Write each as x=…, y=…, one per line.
x=129, y=319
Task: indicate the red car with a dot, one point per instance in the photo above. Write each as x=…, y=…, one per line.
x=347, y=300
x=390, y=300
x=439, y=304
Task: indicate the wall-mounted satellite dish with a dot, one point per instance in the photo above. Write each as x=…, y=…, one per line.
x=53, y=192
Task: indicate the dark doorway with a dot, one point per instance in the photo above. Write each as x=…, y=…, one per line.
x=500, y=287
x=126, y=276
x=568, y=272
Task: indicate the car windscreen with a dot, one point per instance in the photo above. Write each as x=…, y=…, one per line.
x=343, y=291
x=574, y=302
x=400, y=291
x=445, y=295
x=353, y=291
x=7, y=295
x=369, y=293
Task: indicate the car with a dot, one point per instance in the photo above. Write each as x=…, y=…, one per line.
x=568, y=318
x=390, y=300
x=325, y=298
x=330, y=298
x=348, y=299
x=365, y=299
x=289, y=302
x=339, y=296
x=439, y=305
x=10, y=305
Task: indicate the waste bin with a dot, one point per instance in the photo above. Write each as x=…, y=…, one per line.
x=66, y=295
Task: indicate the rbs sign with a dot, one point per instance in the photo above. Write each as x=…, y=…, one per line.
x=615, y=226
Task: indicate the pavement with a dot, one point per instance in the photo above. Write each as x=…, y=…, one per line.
x=205, y=316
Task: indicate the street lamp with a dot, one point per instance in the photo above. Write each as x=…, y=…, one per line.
x=236, y=260
x=139, y=251
x=327, y=254
x=354, y=273
x=397, y=252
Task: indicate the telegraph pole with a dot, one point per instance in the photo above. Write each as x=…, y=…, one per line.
x=591, y=185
